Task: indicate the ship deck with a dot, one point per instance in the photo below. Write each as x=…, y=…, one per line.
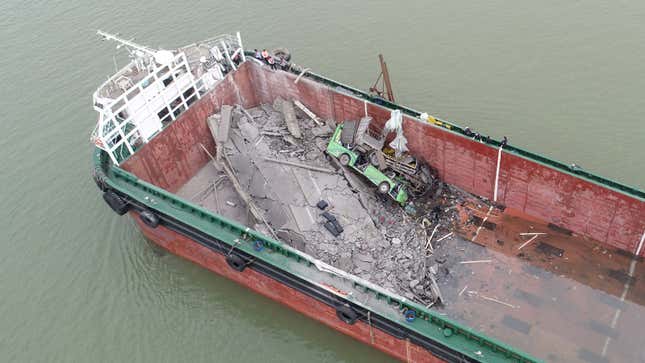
x=560, y=297
x=556, y=295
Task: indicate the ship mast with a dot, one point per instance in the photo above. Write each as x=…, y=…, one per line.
x=124, y=42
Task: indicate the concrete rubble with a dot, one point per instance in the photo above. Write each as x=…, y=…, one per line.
x=394, y=247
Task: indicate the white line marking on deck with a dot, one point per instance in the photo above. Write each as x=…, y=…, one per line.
x=614, y=321
x=365, y=105
x=483, y=221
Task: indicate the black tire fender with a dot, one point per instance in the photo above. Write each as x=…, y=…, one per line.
x=149, y=218
x=346, y=314
x=282, y=53
x=118, y=205
x=236, y=262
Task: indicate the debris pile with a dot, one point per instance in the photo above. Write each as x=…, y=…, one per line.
x=311, y=202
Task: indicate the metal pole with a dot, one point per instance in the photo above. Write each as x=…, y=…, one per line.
x=386, y=78
x=499, y=160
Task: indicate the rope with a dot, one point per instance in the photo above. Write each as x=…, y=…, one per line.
x=369, y=321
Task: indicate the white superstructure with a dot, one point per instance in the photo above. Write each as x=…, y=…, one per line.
x=155, y=88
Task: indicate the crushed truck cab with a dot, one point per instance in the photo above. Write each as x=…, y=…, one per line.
x=360, y=163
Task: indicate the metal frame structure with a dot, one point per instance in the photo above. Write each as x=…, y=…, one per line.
x=154, y=89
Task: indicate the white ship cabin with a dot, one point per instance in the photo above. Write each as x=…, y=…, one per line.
x=155, y=88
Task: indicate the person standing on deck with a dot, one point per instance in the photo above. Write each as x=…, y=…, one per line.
x=237, y=59
x=265, y=55
x=258, y=55
x=283, y=64
x=271, y=62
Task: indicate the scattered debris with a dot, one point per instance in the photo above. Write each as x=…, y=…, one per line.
x=444, y=237
x=308, y=112
x=314, y=168
x=322, y=205
x=231, y=204
x=367, y=235
x=475, y=261
x=527, y=242
x=498, y=301
x=462, y=290
x=289, y=117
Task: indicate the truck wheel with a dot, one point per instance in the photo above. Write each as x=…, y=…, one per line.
x=384, y=187
x=344, y=159
x=374, y=159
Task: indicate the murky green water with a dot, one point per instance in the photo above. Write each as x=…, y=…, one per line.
x=78, y=283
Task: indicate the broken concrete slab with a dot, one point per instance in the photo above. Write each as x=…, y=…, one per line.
x=290, y=119
x=224, y=124
x=304, y=217
x=249, y=131
x=321, y=131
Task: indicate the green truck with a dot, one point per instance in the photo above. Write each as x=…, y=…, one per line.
x=360, y=162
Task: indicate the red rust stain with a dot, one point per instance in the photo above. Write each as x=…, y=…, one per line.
x=266, y=286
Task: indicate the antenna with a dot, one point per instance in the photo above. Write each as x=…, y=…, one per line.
x=127, y=43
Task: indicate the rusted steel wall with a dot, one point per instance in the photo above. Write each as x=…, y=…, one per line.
x=573, y=203
x=525, y=186
x=264, y=285
x=528, y=187
x=270, y=85
x=171, y=158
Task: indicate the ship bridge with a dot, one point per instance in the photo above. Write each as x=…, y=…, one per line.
x=155, y=87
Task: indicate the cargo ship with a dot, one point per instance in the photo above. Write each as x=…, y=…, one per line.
x=423, y=239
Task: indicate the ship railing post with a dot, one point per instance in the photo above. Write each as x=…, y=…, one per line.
x=228, y=56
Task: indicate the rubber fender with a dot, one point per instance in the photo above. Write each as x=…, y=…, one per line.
x=236, y=262
x=118, y=205
x=149, y=218
x=99, y=181
x=346, y=314
x=282, y=53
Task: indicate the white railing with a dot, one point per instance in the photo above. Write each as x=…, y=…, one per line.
x=146, y=107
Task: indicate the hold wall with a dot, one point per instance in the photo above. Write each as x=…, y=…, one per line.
x=525, y=186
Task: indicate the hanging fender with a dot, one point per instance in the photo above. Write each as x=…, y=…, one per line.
x=346, y=314
x=236, y=262
x=149, y=218
x=118, y=205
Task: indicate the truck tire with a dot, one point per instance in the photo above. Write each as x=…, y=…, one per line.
x=374, y=159
x=384, y=187
x=344, y=159
x=282, y=53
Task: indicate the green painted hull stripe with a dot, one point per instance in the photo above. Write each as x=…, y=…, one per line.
x=428, y=323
